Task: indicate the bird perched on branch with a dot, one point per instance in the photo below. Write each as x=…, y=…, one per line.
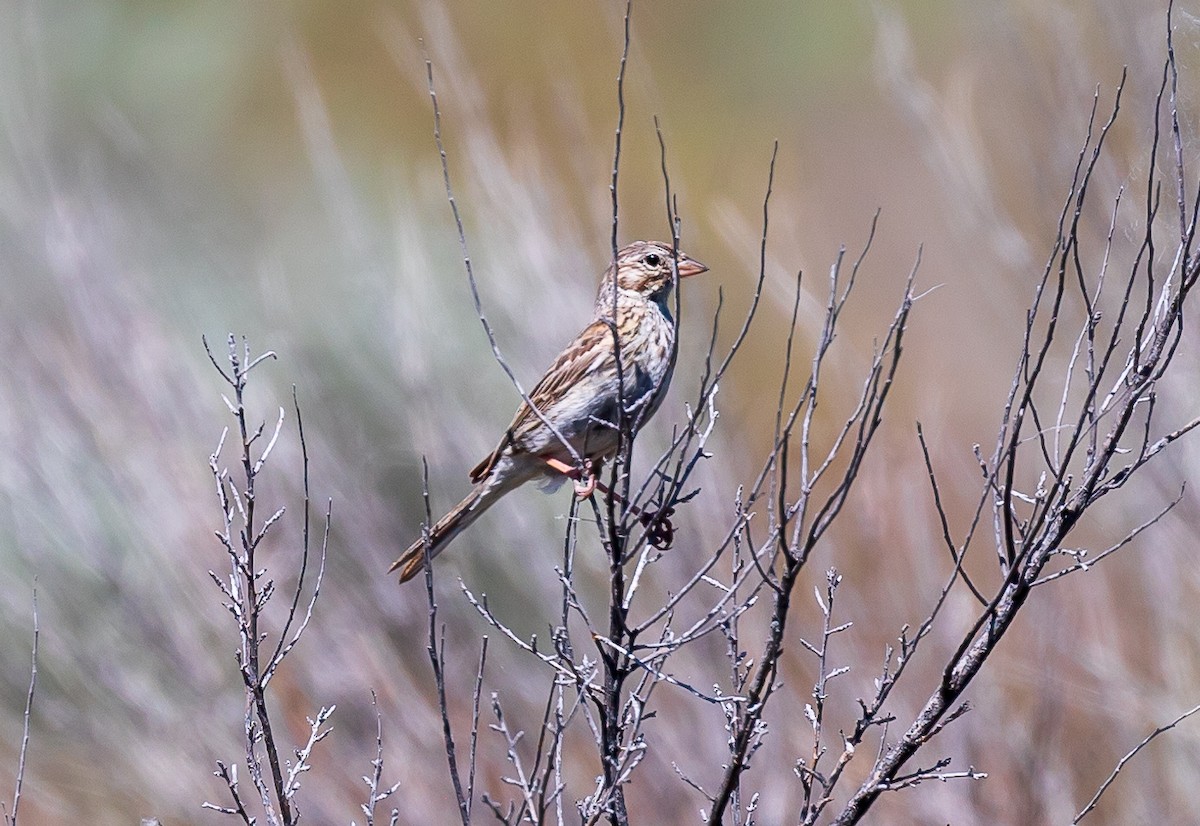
x=578, y=401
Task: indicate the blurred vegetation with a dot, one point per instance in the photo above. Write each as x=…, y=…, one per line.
x=173, y=170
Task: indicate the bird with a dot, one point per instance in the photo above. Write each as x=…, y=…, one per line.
x=580, y=394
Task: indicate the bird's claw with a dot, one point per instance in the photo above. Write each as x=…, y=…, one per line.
x=582, y=476
x=585, y=480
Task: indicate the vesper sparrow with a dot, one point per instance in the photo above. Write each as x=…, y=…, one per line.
x=579, y=394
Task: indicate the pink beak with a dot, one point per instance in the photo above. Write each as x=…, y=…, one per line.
x=688, y=267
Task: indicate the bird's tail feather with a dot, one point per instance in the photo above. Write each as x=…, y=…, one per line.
x=481, y=497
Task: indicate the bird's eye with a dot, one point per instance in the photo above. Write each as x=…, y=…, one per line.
x=652, y=260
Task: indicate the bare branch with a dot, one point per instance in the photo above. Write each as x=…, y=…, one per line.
x=1132, y=753
x=376, y=795
x=11, y=818
x=437, y=655
x=462, y=240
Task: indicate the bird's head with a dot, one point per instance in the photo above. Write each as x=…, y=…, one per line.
x=645, y=267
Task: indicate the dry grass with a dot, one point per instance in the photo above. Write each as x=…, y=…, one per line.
x=194, y=173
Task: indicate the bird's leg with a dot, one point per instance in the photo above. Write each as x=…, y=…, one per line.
x=659, y=530
x=584, y=478
x=587, y=482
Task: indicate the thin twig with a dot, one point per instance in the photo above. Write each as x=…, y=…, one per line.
x=436, y=650
x=1132, y=753
x=373, y=780
x=11, y=819
x=474, y=286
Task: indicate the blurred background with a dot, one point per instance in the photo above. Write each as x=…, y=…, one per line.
x=173, y=171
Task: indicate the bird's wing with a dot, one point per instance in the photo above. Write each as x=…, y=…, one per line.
x=586, y=352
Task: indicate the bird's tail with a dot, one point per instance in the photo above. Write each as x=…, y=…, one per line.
x=482, y=496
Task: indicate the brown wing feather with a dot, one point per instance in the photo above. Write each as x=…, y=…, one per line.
x=481, y=470
x=570, y=366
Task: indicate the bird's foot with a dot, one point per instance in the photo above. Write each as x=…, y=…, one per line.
x=583, y=478
x=660, y=531
x=585, y=484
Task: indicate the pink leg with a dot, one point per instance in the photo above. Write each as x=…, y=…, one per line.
x=585, y=482
x=660, y=530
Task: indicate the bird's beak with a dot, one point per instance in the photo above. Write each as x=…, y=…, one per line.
x=689, y=267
